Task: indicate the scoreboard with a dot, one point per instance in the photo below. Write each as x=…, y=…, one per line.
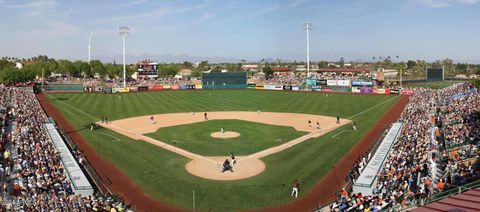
x=147, y=68
x=435, y=74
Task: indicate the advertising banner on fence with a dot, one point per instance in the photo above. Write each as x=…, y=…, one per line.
x=338, y=82
x=394, y=91
x=407, y=92
x=116, y=90
x=387, y=91
x=341, y=89
x=142, y=88
x=107, y=90
x=167, y=87
x=362, y=83
x=124, y=90
x=355, y=90
x=259, y=87
x=175, y=87
x=156, y=88
x=327, y=90
x=98, y=89
x=190, y=87
x=198, y=86
x=183, y=87
x=311, y=82
x=273, y=87
x=366, y=90
x=316, y=88
x=287, y=87
x=381, y=91
x=133, y=89
x=321, y=82
x=295, y=88
x=251, y=85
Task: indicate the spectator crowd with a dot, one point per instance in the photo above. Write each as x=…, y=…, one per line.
x=32, y=176
x=434, y=152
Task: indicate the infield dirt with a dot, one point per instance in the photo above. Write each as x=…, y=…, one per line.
x=211, y=167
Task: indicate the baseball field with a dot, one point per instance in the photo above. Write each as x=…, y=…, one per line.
x=156, y=156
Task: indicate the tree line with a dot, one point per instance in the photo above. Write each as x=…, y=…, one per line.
x=42, y=65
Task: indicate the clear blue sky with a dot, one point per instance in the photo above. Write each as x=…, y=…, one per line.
x=253, y=29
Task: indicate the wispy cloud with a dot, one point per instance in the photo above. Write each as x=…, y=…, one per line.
x=295, y=3
x=447, y=3
x=34, y=8
x=254, y=14
x=132, y=3
x=197, y=21
x=54, y=30
x=35, y=4
x=154, y=13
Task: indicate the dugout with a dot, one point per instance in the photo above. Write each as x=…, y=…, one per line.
x=229, y=80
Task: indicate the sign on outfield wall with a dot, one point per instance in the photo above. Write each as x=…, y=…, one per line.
x=355, y=90
x=259, y=87
x=316, y=88
x=407, y=92
x=198, y=86
x=338, y=82
x=321, y=82
x=394, y=91
x=380, y=91
x=366, y=182
x=273, y=87
x=366, y=90
x=295, y=88
x=361, y=83
x=327, y=90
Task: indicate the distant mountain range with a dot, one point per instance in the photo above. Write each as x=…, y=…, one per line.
x=180, y=58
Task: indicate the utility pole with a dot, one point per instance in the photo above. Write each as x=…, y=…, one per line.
x=123, y=31
x=308, y=27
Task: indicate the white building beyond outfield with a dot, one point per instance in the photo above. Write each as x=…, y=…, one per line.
x=80, y=183
x=367, y=180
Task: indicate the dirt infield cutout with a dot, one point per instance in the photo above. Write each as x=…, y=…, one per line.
x=211, y=167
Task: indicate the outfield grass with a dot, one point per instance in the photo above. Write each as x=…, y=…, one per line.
x=161, y=173
x=253, y=137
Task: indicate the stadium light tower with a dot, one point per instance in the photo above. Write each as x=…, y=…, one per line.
x=89, y=46
x=123, y=31
x=308, y=27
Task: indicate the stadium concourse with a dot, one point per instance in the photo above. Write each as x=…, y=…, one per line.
x=32, y=174
x=437, y=150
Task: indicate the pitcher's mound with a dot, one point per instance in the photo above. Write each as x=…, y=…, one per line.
x=226, y=134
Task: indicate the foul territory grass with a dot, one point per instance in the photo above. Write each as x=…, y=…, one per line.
x=253, y=137
x=161, y=173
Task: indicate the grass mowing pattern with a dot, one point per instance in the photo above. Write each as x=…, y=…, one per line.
x=161, y=173
x=254, y=137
